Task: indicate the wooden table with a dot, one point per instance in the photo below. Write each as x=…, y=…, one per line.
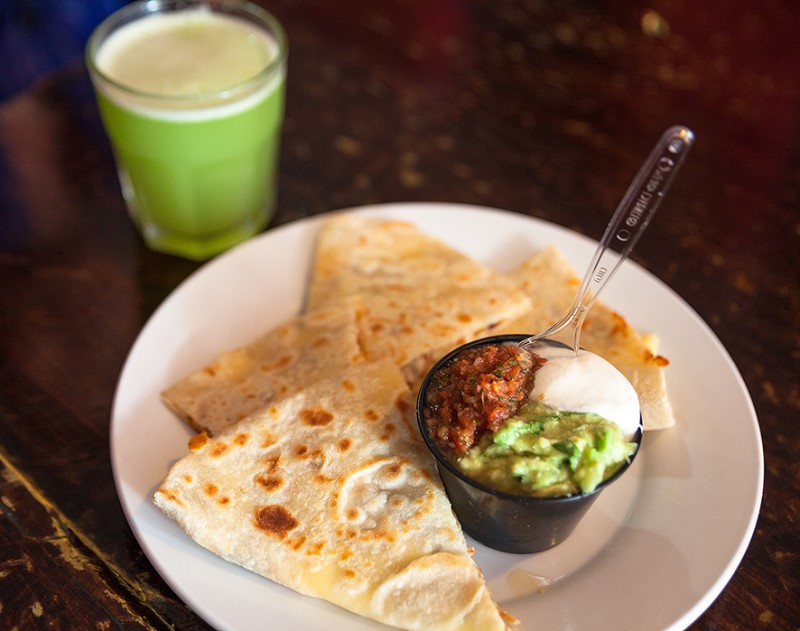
x=540, y=108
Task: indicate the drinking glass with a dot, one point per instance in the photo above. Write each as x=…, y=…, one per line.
x=191, y=94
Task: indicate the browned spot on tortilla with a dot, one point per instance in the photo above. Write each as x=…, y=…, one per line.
x=315, y=548
x=402, y=403
x=388, y=430
x=463, y=317
x=274, y=412
x=172, y=496
x=210, y=489
x=297, y=542
x=187, y=478
x=315, y=417
x=371, y=415
x=275, y=520
x=224, y=500
x=344, y=444
x=658, y=360
x=272, y=463
x=349, y=573
x=198, y=441
x=218, y=450
x=348, y=385
x=322, y=479
x=620, y=326
x=279, y=364
x=441, y=329
x=300, y=451
x=394, y=470
x=352, y=514
x=270, y=483
x=241, y=439
x=375, y=535
x=320, y=342
x=267, y=440
x=211, y=370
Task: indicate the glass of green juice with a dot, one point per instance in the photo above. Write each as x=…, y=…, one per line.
x=191, y=95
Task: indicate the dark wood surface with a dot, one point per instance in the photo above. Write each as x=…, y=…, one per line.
x=541, y=108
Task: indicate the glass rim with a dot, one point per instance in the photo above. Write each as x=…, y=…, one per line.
x=145, y=8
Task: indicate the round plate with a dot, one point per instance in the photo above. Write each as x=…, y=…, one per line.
x=653, y=552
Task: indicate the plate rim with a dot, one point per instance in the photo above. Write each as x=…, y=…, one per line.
x=307, y=223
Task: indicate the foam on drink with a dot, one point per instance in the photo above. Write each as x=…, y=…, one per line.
x=188, y=65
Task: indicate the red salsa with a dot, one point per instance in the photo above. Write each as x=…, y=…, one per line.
x=476, y=392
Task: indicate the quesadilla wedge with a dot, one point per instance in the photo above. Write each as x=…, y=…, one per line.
x=551, y=282
x=305, y=349
x=417, y=293
x=332, y=493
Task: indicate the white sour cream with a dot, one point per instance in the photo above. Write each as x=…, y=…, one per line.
x=586, y=383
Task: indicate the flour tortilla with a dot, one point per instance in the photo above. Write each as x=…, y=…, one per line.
x=239, y=382
x=332, y=493
x=551, y=282
x=417, y=294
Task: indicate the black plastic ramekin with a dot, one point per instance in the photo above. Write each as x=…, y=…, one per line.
x=503, y=521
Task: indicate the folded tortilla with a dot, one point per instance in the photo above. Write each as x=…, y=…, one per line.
x=239, y=382
x=551, y=282
x=332, y=493
x=417, y=294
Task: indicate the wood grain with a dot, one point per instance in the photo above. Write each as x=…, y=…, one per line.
x=545, y=109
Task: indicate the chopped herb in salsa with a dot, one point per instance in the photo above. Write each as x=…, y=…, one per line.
x=477, y=392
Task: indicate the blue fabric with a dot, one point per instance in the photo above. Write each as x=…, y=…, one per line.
x=39, y=36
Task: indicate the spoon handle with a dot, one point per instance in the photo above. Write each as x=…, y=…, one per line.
x=634, y=212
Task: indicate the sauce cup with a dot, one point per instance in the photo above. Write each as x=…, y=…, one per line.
x=500, y=520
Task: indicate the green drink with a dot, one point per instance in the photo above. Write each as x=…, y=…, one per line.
x=192, y=99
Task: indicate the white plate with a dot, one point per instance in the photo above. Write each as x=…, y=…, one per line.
x=653, y=552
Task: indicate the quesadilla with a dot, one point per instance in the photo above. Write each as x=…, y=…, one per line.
x=332, y=493
x=550, y=281
x=305, y=349
x=416, y=293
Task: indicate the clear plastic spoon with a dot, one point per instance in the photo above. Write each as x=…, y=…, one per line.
x=626, y=226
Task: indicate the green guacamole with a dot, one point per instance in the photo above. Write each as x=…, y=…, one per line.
x=545, y=453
